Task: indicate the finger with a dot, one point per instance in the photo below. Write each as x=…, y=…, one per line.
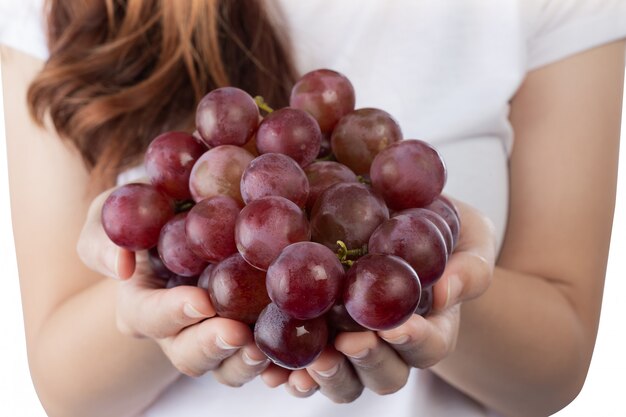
x=422, y=342
x=300, y=384
x=335, y=377
x=469, y=269
x=275, y=375
x=204, y=346
x=125, y=263
x=242, y=367
x=143, y=310
x=378, y=366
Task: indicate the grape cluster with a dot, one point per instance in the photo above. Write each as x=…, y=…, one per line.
x=314, y=219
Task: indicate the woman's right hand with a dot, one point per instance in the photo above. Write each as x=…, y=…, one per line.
x=180, y=320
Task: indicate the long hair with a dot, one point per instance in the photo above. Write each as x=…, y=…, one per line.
x=122, y=71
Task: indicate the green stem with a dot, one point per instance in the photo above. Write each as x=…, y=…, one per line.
x=262, y=104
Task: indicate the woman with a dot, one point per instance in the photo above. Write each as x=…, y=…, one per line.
x=468, y=78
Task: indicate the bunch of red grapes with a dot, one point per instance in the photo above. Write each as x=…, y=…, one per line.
x=314, y=219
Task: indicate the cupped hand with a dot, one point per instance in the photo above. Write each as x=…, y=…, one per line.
x=180, y=320
x=381, y=361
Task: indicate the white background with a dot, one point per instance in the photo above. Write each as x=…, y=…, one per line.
x=602, y=394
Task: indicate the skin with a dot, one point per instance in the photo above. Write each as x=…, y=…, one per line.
x=555, y=249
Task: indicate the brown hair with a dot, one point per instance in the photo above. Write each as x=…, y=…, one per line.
x=122, y=71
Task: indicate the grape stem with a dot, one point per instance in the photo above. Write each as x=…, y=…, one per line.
x=262, y=104
x=363, y=180
x=343, y=253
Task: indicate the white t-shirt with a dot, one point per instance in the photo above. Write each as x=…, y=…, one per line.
x=447, y=71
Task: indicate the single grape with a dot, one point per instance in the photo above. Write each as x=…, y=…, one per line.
x=291, y=132
x=210, y=227
x=408, y=174
x=237, y=290
x=266, y=226
x=203, y=279
x=174, y=250
x=437, y=220
x=415, y=239
x=274, y=174
x=361, y=135
x=327, y=95
x=323, y=174
x=227, y=116
x=425, y=306
x=133, y=215
x=157, y=266
x=178, y=280
x=382, y=291
x=305, y=280
x=349, y=212
x=339, y=320
x=289, y=342
x=169, y=159
x=448, y=211
x=218, y=172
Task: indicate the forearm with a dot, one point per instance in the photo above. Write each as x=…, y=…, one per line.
x=82, y=366
x=521, y=348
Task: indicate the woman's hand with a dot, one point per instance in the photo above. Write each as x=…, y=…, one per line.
x=176, y=318
x=381, y=361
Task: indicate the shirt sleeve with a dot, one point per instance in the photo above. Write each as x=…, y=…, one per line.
x=22, y=26
x=560, y=28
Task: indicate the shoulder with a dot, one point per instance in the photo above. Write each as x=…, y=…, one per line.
x=22, y=26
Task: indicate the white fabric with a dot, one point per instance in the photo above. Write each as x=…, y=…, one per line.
x=447, y=71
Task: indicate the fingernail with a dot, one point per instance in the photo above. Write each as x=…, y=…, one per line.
x=191, y=312
x=303, y=390
x=359, y=355
x=328, y=373
x=221, y=343
x=454, y=290
x=251, y=362
x=400, y=340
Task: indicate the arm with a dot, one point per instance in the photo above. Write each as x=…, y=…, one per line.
x=78, y=324
x=71, y=343
x=525, y=346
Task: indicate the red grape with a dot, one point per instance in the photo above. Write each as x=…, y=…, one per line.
x=339, y=319
x=210, y=227
x=289, y=342
x=327, y=95
x=237, y=290
x=218, y=172
x=175, y=251
x=291, y=132
x=227, y=116
x=425, y=306
x=133, y=215
x=408, y=174
x=323, y=174
x=382, y=291
x=361, y=135
x=274, y=174
x=437, y=220
x=446, y=209
x=305, y=280
x=157, y=266
x=266, y=226
x=415, y=239
x=203, y=279
x=169, y=159
x=349, y=212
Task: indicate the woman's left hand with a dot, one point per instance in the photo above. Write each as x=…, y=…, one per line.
x=381, y=361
